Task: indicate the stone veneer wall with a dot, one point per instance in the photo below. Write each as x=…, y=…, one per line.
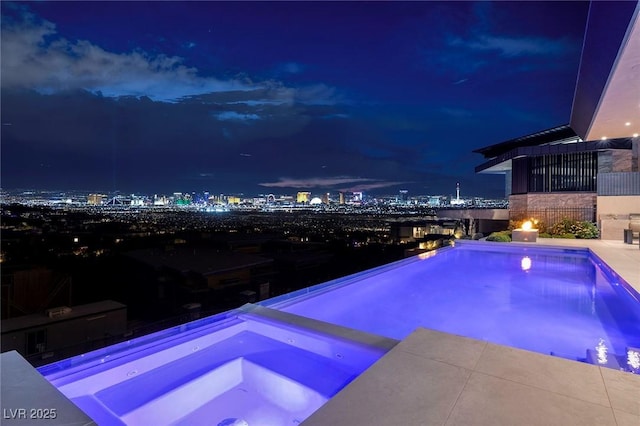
x=553, y=200
x=612, y=211
x=550, y=208
x=616, y=160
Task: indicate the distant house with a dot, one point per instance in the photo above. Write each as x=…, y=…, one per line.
x=205, y=271
x=57, y=329
x=412, y=231
x=588, y=169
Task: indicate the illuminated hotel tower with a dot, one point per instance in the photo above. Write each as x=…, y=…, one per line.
x=95, y=199
x=457, y=201
x=303, y=197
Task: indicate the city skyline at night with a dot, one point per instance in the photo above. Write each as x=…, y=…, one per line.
x=264, y=97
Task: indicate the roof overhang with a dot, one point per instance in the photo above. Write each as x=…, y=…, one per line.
x=607, y=99
x=557, y=134
x=496, y=168
x=503, y=163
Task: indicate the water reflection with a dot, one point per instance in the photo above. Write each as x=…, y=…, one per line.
x=633, y=360
x=601, y=349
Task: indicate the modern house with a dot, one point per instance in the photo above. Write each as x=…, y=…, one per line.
x=589, y=168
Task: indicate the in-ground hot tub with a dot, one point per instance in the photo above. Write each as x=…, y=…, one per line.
x=251, y=366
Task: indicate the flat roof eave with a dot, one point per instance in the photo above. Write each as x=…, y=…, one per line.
x=502, y=163
x=490, y=167
x=538, y=138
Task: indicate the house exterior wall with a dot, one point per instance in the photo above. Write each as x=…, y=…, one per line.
x=229, y=278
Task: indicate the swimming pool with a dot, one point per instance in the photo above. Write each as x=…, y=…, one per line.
x=564, y=302
x=250, y=366
x=279, y=362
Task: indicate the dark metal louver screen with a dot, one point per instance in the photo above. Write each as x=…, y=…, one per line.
x=571, y=172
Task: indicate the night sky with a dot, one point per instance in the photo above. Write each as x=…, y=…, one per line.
x=277, y=97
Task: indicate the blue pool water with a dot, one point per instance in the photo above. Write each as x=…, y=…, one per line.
x=277, y=363
x=564, y=302
x=250, y=366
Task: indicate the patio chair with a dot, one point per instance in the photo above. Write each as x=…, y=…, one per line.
x=634, y=224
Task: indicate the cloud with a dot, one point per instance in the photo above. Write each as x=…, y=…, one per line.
x=317, y=94
x=371, y=186
x=35, y=56
x=257, y=102
x=512, y=46
x=284, y=182
x=457, y=112
x=234, y=116
x=339, y=183
x=330, y=116
x=462, y=57
x=292, y=68
x=274, y=93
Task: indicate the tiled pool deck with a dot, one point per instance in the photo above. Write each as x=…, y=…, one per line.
x=434, y=378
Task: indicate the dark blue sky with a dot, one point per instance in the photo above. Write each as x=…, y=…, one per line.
x=278, y=96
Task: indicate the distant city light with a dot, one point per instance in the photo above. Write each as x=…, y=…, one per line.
x=338, y=201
